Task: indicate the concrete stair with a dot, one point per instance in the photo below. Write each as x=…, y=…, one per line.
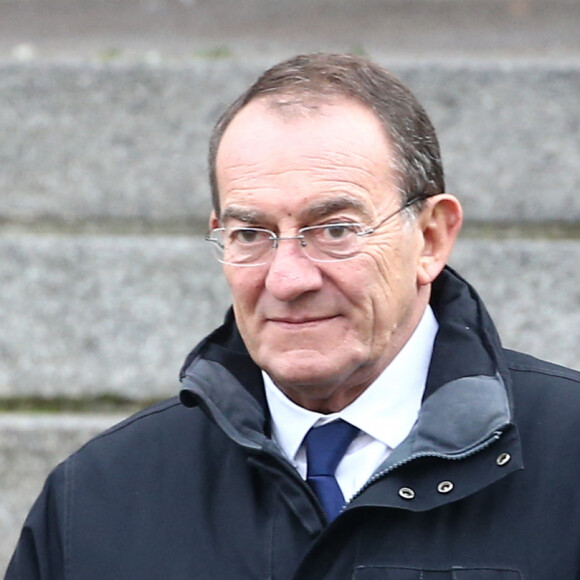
x=105, y=283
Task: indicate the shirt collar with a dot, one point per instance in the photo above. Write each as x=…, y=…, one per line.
x=386, y=410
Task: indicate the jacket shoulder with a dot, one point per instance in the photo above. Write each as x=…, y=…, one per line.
x=165, y=429
x=546, y=399
x=152, y=418
x=529, y=368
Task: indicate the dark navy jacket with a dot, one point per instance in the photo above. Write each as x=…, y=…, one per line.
x=485, y=487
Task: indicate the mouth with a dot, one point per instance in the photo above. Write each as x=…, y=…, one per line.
x=300, y=322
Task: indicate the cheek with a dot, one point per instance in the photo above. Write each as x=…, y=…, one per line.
x=245, y=286
x=389, y=286
x=366, y=285
x=396, y=261
x=381, y=272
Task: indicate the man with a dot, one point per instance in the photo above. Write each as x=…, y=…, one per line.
x=452, y=457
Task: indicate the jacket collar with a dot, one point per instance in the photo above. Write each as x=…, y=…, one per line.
x=467, y=396
x=467, y=343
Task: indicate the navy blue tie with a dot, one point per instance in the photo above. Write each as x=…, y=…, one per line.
x=325, y=447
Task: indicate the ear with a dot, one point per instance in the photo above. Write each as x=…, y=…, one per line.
x=213, y=221
x=439, y=223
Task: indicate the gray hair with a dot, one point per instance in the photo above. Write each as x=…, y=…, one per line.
x=314, y=77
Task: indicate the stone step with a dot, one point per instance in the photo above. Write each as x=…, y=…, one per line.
x=30, y=446
x=125, y=144
x=89, y=316
x=82, y=316
x=187, y=27
x=530, y=288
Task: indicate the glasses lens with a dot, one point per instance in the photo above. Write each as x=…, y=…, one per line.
x=331, y=242
x=241, y=246
x=215, y=238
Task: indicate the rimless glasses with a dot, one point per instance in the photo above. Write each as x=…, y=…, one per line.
x=333, y=242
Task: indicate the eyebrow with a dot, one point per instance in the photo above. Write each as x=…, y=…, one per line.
x=318, y=210
x=243, y=214
x=332, y=205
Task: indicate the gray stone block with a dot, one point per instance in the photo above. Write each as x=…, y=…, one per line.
x=510, y=137
x=531, y=290
x=30, y=446
x=127, y=142
x=84, y=316
x=177, y=27
x=97, y=142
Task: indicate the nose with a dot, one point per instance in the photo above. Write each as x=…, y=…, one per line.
x=291, y=273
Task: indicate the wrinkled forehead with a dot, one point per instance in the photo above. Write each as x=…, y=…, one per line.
x=319, y=115
x=316, y=150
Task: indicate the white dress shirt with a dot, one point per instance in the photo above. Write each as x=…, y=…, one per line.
x=385, y=412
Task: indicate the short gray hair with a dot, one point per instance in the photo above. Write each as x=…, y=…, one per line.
x=323, y=75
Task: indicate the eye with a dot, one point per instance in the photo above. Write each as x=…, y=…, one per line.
x=248, y=236
x=338, y=232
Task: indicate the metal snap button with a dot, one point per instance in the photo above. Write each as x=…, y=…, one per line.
x=503, y=459
x=445, y=487
x=407, y=493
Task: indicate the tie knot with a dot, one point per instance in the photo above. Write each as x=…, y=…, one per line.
x=326, y=445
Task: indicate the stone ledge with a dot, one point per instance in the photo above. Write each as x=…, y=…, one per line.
x=531, y=291
x=128, y=141
x=84, y=317
x=185, y=27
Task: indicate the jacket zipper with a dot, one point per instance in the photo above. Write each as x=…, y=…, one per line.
x=471, y=451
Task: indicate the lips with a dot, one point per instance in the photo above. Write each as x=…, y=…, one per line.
x=292, y=321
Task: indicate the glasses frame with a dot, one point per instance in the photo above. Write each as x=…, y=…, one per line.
x=301, y=238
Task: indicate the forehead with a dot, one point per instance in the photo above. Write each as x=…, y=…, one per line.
x=304, y=147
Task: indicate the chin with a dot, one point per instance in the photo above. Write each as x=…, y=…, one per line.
x=306, y=369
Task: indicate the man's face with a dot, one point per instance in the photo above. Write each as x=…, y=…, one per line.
x=322, y=331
